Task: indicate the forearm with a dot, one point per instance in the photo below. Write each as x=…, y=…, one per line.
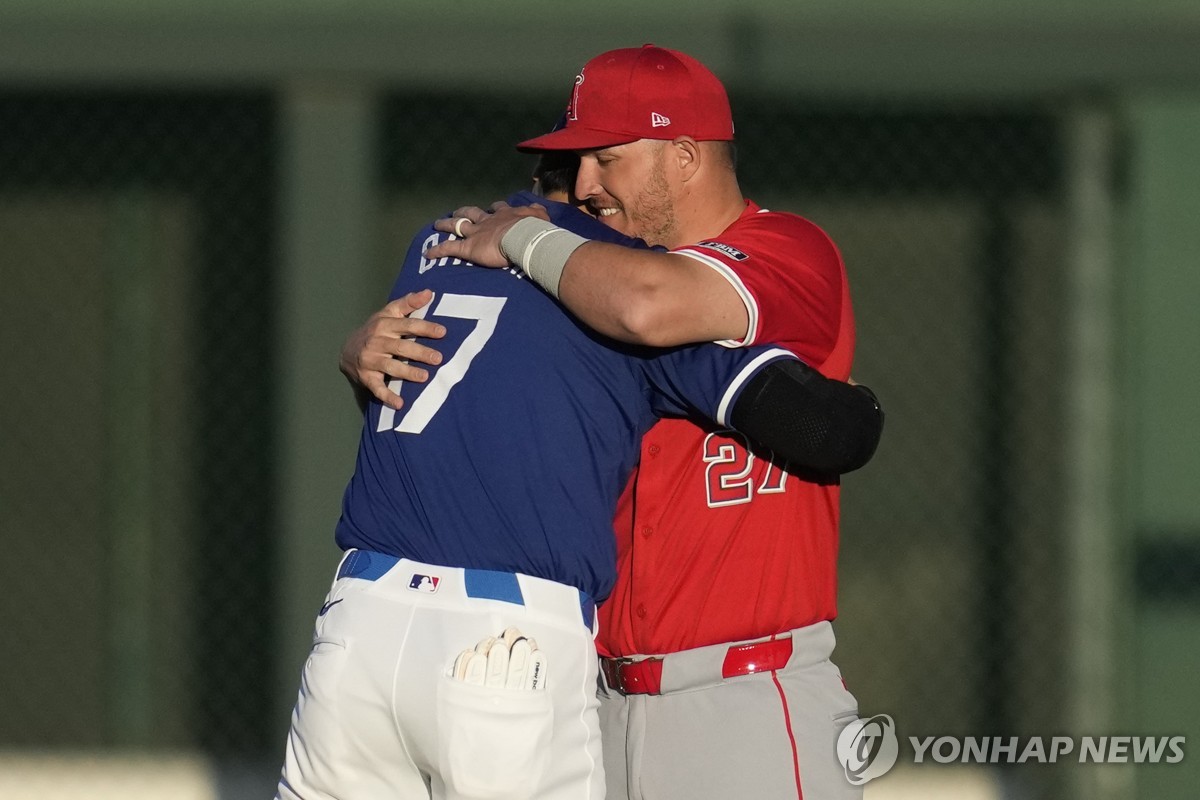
x=815, y=424
x=629, y=294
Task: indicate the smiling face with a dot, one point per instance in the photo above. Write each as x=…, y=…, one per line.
x=628, y=187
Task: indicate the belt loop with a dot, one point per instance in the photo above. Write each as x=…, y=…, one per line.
x=492, y=585
x=337, y=573
x=368, y=565
x=349, y=562
x=748, y=659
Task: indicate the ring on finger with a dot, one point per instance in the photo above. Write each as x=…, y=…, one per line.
x=458, y=226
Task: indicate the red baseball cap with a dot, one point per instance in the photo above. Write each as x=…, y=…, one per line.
x=645, y=92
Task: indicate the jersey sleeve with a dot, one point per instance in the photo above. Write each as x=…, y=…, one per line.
x=788, y=273
x=704, y=379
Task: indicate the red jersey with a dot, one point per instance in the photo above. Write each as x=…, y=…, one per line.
x=715, y=544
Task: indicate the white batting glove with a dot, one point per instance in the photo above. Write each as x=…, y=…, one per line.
x=511, y=661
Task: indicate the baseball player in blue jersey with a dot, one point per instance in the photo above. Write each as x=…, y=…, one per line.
x=454, y=654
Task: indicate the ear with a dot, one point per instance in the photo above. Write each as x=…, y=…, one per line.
x=685, y=155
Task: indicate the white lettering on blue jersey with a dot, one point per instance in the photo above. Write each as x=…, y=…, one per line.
x=485, y=311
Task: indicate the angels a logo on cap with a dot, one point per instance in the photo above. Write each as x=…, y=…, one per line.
x=573, y=108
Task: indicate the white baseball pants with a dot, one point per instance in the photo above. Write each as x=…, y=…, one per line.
x=378, y=715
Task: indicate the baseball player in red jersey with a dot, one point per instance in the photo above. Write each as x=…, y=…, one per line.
x=717, y=639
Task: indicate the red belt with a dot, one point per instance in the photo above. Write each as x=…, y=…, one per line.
x=645, y=676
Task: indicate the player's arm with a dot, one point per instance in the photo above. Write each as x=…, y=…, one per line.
x=814, y=423
x=383, y=348
x=651, y=298
x=639, y=296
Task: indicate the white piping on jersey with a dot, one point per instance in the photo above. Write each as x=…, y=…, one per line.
x=747, y=298
x=748, y=371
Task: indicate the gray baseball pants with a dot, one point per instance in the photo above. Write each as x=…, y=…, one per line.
x=708, y=737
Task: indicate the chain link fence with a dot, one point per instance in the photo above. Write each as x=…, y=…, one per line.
x=138, y=253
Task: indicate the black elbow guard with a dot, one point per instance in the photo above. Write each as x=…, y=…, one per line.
x=813, y=423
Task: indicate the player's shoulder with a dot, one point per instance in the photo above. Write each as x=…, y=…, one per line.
x=768, y=222
x=761, y=234
x=421, y=241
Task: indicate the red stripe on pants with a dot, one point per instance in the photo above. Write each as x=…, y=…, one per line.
x=787, y=721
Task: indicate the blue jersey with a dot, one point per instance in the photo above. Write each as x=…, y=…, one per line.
x=513, y=454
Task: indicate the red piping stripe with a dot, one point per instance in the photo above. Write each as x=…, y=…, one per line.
x=787, y=721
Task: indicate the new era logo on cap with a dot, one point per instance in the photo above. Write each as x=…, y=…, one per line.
x=636, y=93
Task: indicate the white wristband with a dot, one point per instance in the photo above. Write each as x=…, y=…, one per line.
x=541, y=250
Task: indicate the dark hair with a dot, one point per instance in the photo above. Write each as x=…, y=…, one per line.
x=730, y=149
x=555, y=172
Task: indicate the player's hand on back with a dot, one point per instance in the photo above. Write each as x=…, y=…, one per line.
x=383, y=348
x=479, y=232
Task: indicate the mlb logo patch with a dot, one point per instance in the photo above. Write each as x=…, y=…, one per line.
x=424, y=583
